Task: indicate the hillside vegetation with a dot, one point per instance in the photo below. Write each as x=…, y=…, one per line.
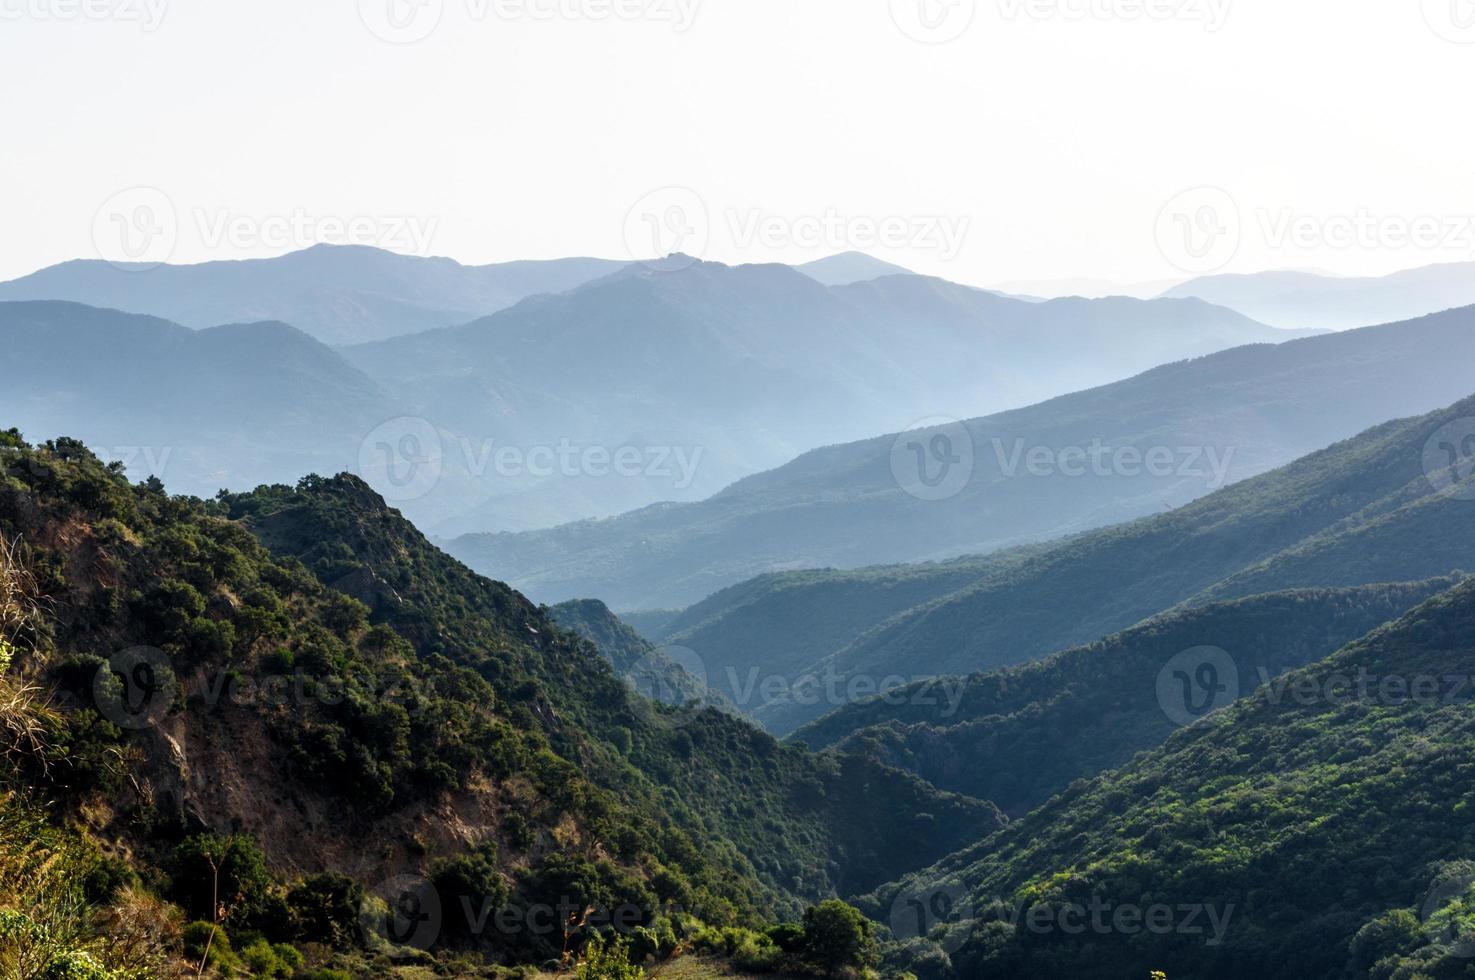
x=1019, y=735
x=1319, y=829
x=293, y=685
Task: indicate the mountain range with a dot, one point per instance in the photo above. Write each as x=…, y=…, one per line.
x=1314, y=828
x=652, y=382
x=1373, y=509
x=1021, y=476
x=1311, y=300
x=336, y=293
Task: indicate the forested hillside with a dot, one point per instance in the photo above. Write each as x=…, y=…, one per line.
x=1019, y=735
x=1375, y=508
x=291, y=673
x=1317, y=829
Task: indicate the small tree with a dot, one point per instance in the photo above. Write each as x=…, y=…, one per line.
x=607, y=960
x=838, y=938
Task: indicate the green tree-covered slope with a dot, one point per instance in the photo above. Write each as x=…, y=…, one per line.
x=1019, y=735
x=299, y=667
x=1321, y=828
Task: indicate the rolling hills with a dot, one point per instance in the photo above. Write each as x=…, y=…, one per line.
x=1318, y=828
x=1017, y=736
x=710, y=373
x=1374, y=501
x=339, y=294
x=1305, y=299
x=296, y=671
x=1214, y=419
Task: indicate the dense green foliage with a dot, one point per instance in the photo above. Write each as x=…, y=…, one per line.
x=1325, y=826
x=324, y=677
x=1019, y=735
x=776, y=625
x=658, y=673
x=1366, y=504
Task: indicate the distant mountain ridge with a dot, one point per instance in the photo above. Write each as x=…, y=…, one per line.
x=1255, y=407
x=748, y=366
x=339, y=294
x=1305, y=299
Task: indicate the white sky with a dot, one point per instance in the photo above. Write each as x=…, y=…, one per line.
x=1056, y=138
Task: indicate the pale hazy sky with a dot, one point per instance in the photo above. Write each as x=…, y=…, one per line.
x=1039, y=139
